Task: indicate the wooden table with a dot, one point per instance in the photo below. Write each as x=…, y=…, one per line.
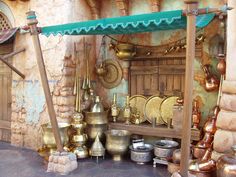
x=158, y=131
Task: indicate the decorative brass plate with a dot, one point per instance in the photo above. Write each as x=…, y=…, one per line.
x=152, y=109
x=138, y=102
x=166, y=108
x=113, y=75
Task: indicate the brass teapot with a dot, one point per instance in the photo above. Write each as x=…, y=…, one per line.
x=124, y=50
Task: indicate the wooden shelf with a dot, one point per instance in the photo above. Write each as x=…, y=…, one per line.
x=159, y=131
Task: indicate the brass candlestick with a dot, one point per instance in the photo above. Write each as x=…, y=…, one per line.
x=114, y=108
x=127, y=111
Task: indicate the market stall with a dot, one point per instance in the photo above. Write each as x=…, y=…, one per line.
x=190, y=18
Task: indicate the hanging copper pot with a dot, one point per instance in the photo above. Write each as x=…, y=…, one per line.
x=221, y=66
x=211, y=81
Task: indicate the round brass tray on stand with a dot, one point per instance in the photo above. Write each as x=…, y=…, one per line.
x=113, y=75
x=138, y=102
x=166, y=108
x=152, y=109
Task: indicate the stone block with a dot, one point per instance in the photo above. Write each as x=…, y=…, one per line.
x=228, y=102
x=63, y=108
x=67, y=81
x=14, y=116
x=224, y=140
x=17, y=139
x=226, y=120
x=68, y=71
x=69, y=100
x=229, y=87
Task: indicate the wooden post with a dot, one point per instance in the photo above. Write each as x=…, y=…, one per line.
x=32, y=22
x=192, y=6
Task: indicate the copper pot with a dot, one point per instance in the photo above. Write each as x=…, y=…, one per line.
x=211, y=81
x=206, y=141
x=226, y=165
x=221, y=66
x=198, y=152
x=210, y=125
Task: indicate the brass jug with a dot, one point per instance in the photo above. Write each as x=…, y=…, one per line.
x=211, y=81
x=226, y=165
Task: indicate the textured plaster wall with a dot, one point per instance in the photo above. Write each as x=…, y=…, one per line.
x=28, y=103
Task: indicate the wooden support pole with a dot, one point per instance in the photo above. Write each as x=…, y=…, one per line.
x=192, y=6
x=32, y=22
x=5, y=57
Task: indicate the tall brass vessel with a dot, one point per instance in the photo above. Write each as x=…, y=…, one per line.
x=117, y=143
x=48, y=137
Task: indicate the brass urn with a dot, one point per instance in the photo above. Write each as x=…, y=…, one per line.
x=117, y=143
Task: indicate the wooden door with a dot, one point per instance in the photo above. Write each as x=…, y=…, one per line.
x=5, y=95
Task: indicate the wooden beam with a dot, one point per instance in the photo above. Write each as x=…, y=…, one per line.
x=192, y=6
x=159, y=131
x=32, y=22
x=12, y=67
x=13, y=53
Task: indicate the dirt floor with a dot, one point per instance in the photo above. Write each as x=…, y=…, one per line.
x=18, y=162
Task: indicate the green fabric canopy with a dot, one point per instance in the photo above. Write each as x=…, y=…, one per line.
x=165, y=20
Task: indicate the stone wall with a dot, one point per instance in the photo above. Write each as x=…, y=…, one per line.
x=225, y=136
x=28, y=103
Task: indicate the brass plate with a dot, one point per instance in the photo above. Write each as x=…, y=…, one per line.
x=166, y=108
x=113, y=75
x=138, y=102
x=152, y=109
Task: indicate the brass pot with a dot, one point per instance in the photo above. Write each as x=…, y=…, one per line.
x=93, y=130
x=48, y=137
x=79, y=139
x=125, y=51
x=78, y=128
x=117, y=143
x=81, y=152
x=96, y=117
x=165, y=148
x=226, y=165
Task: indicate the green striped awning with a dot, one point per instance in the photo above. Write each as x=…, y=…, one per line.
x=165, y=20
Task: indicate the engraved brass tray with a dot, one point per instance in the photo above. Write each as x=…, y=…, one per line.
x=152, y=109
x=166, y=108
x=137, y=102
x=113, y=75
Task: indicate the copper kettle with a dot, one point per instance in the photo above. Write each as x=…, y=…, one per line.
x=211, y=81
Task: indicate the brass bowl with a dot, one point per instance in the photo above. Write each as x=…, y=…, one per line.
x=96, y=117
x=117, y=143
x=48, y=137
x=125, y=51
x=93, y=130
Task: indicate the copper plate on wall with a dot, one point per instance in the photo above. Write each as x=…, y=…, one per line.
x=152, y=109
x=166, y=108
x=138, y=102
x=113, y=75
